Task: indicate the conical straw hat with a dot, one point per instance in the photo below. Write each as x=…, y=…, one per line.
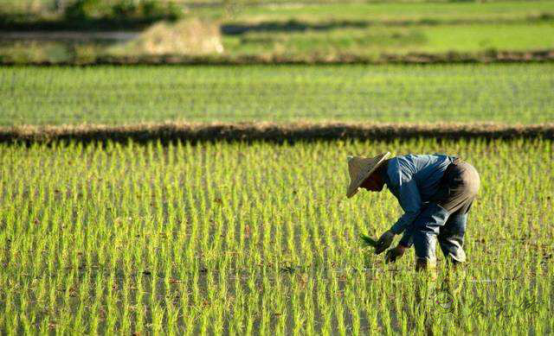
x=360, y=168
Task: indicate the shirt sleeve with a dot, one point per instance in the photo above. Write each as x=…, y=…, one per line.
x=410, y=201
x=406, y=240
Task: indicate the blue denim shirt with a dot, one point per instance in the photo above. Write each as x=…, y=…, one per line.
x=413, y=179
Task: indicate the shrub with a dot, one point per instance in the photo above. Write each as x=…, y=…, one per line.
x=149, y=10
x=84, y=9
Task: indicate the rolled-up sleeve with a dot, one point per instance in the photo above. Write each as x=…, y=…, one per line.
x=409, y=199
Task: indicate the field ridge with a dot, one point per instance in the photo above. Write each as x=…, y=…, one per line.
x=271, y=132
x=490, y=56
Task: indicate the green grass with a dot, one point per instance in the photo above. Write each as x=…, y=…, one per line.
x=375, y=41
x=356, y=9
x=127, y=95
x=474, y=38
x=260, y=239
x=386, y=11
x=371, y=43
x=369, y=31
x=395, y=28
x=255, y=11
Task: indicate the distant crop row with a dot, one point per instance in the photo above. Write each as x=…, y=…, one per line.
x=259, y=239
x=127, y=95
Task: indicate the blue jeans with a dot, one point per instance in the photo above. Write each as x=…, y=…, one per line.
x=444, y=218
x=434, y=224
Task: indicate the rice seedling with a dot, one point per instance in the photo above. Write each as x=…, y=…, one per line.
x=230, y=238
x=507, y=93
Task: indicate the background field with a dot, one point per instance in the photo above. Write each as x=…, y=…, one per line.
x=371, y=43
x=127, y=95
x=259, y=239
x=312, y=32
x=334, y=8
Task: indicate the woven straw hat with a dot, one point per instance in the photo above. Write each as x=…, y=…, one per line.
x=360, y=168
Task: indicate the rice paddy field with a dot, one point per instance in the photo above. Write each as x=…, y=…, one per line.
x=178, y=237
x=505, y=93
x=235, y=238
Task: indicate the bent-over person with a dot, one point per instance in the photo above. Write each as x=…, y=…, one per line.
x=436, y=193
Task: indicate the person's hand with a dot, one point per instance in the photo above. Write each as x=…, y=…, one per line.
x=394, y=254
x=384, y=242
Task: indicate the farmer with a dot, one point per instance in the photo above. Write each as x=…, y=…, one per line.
x=435, y=192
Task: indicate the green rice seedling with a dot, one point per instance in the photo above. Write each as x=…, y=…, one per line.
x=368, y=241
x=144, y=239
x=505, y=93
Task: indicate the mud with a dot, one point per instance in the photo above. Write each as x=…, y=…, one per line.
x=270, y=132
x=411, y=58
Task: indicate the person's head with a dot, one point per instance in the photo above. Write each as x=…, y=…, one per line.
x=375, y=182
x=366, y=173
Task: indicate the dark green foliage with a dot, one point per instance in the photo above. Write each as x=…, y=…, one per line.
x=83, y=9
x=149, y=10
x=367, y=241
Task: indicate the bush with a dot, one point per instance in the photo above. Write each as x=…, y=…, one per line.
x=84, y=9
x=122, y=10
x=152, y=9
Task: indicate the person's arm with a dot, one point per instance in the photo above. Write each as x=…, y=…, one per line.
x=406, y=240
x=401, y=183
x=410, y=201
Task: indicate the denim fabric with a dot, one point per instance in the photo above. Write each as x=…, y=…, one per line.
x=443, y=203
x=437, y=224
x=455, y=194
x=414, y=180
x=426, y=228
x=451, y=237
